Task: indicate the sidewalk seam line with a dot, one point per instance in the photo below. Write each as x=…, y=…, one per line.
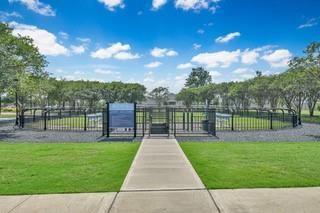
x=113, y=201
x=214, y=201
x=20, y=203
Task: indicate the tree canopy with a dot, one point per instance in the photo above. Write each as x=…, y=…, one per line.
x=198, y=77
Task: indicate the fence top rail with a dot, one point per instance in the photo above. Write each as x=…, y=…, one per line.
x=141, y=107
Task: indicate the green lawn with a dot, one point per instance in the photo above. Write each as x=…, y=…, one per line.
x=308, y=119
x=27, y=168
x=306, y=112
x=251, y=165
x=7, y=115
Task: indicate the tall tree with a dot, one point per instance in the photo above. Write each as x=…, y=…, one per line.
x=239, y=95
x=160, y=95
x=259, y=89
x=188, y=96
x=198, y=77
x=17, y=55
x=207, y=93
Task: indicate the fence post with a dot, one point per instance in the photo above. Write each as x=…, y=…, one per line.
x=150, y=120
x=188, y=122
x=271, y=119
x=174, y=117
x=294, y=120
x=45, y=121
x=135, y=120
x=34, y=115
x=191, y=120
x=143, y=121
x=103, y=122
x=183, y=120
x=232, y=121
x=22, y=119
x=214, y=123
x=85, y=120
x=107, y=119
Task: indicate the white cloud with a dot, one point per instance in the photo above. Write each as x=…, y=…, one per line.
x=162, y=52
x=84, y=40
x=64, y=35
x=154, y=64
x=59, y=71
x=78, y=72
x=278, y=58
x=215, y=74
x=310, y=23
x=196, y=46
x=44, y=40
x=185, y=66
x=200, y=31
x=197, y=4
x=227, y=38
x=217, y=59
x=4, y=16
x=241, y=71
x=106, y=72
x=37, y=6
x=156, y=4
x=77, y=49
x=174, y=83
x=117, y=50
x=126, y=56
x=112, y=4
x=249, y=56
x=171, y=53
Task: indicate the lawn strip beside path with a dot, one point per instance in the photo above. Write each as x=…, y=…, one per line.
x=255, y=165
x=28, y=168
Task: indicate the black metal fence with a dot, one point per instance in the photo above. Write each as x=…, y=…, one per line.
x=254, y=119
x=62, y=119
x=164, y=121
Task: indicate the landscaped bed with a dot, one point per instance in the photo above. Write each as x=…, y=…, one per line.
x=254, y=165
x=64, y=168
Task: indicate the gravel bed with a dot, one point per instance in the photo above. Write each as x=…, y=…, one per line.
x=306, y=132
x=13, y=134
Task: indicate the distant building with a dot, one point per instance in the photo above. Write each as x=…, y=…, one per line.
x=172, y=101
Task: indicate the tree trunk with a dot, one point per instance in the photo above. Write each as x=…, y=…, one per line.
x=312, y=105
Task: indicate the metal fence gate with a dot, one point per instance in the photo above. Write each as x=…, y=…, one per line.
x=159, y=121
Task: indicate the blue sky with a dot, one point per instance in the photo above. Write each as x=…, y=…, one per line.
x=157, y=42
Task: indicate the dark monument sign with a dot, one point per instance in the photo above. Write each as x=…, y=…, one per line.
x=121, y=115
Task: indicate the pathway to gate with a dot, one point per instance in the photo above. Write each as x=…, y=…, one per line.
x=161, y=178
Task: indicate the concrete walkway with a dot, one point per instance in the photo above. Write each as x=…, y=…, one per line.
x=291, y=200
x=57, y=203
x=161, y=179
x=160, y=164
